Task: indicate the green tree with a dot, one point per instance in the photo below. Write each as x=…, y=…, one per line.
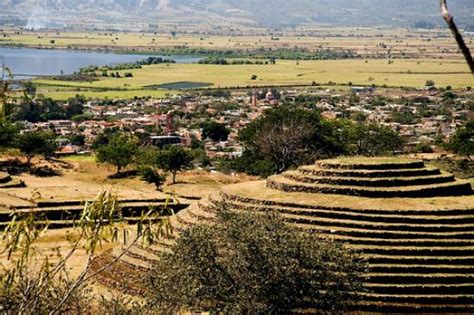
x=249, y=263
x=286, y=137
x=371, y=139
x=120, y=151
x=430, y=83
x=29, y=88
x=462, y=142
x=215, y=131
x=8, y=134
x=75, y=106
x=151, y=176
x=174, y=160
x=34, y=143
x=5, y=94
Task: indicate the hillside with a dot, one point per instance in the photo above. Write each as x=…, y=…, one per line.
x=38, y=13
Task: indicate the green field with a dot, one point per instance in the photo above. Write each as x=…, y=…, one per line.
x=400, y=73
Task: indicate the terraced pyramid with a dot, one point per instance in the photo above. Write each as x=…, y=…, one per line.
x=413, y=224
x=381, y=177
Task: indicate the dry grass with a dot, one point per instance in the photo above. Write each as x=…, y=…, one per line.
x=258, y=191
x=401, y=73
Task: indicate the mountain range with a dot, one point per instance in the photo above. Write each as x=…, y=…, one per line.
x=256, y=12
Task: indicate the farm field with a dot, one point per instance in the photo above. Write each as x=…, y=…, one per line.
x=364, y=41
x=145, y=81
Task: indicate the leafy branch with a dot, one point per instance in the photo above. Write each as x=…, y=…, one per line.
x=50, y=290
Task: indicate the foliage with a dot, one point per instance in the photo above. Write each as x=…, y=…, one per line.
x=249, y=263
x=150, y=175
x=120, y=151
x=36, y=142
x=287, y=137
x=215, y=131
x=174, y=159
x=370, y=139
x=8, y=134
x=26, y=288
x=75, y=106
x=5, y=94
x=104, y=137
x=462, y=142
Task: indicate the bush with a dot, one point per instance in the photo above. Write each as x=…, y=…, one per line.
x=151, y=176
x=120, y=151
x=250, y=263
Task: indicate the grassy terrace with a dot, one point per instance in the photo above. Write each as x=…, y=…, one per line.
x=258, y=192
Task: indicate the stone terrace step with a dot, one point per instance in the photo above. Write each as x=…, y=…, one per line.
x=378, y=226
x=419, y=278
x=361, y=232
x=437, y=300
x=232, y=197
x=370, y=182
x=402, y=260
x=13, y=183
x=424, y=269
x=371, y=163
x=4, y=178
x=456, y=188
x=425, y=289
x=413, y=172
x=431, y=217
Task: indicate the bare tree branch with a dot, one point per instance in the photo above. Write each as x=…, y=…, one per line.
x=457, y=35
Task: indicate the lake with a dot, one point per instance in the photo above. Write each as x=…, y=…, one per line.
x=28, y=62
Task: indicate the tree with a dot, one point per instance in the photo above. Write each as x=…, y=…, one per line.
x=5, y=94
x=430, y=83
x=174, y=160
x=150, y=175
x=287, y=137
x=372, y=140
x=29, y=88
x=75, y=106
x=120, y=151
x=38, y=142
x=249, y=263
x=8, y=134
x=215, y=131
x=462, y=142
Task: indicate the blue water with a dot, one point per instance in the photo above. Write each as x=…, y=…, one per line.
x=28, y=62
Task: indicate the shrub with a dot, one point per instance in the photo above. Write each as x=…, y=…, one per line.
x=151, y=176
x=253, y=263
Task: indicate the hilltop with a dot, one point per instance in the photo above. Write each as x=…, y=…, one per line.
x=41, y=13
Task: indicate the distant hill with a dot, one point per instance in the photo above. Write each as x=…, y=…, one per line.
x=257, y=12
